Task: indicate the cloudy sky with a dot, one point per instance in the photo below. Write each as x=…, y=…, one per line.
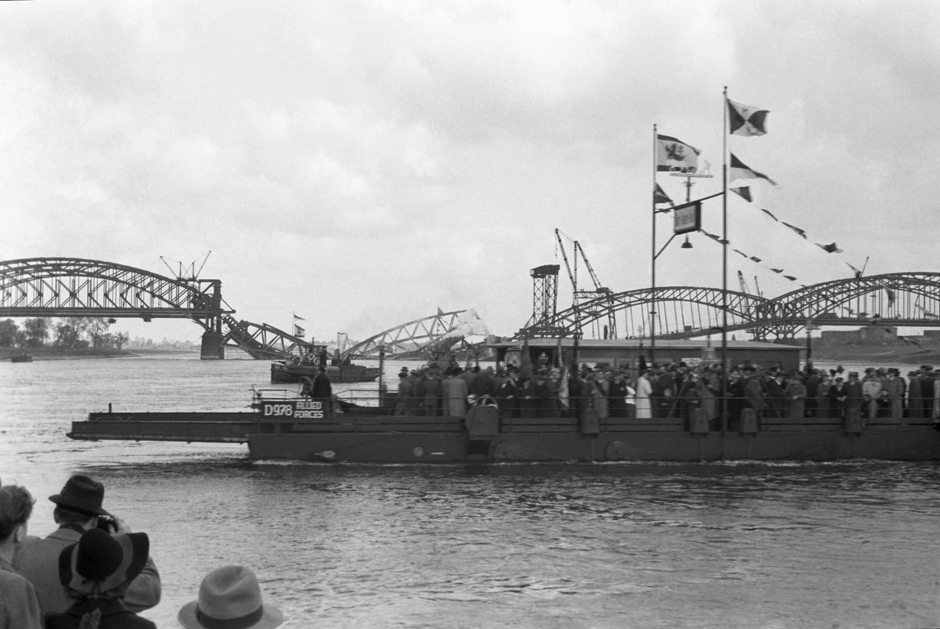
x=365, y=163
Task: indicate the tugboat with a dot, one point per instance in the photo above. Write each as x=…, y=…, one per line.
x=296, y=368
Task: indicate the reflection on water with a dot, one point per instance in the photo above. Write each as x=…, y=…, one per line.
x=519, y=545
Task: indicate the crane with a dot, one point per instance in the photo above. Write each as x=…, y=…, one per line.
x=580, y=295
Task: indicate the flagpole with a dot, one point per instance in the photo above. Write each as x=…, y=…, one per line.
x=724, y=263
x=653, y=261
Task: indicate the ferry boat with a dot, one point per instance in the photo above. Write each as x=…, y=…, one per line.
x=285, y=426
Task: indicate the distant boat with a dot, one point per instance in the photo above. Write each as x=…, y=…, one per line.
x=290, y=371
x=22, y=358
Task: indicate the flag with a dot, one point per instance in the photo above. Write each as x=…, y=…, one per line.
x=858, y=272
x=777, y=270
x=790, y=277
x=674, y=155
x=659, y=196
x=296, y=318
x=738, y=170
x=830, y=248
x=746, y=120
x=768, y=213
x=741, y=252
x=755, y=259
x=744, y=192
x=298, y=331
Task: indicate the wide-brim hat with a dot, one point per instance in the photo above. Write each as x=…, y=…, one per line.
x=230, y=597
x=100, y=562
x=81, y=494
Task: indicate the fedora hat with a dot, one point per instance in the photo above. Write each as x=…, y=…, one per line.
x=230, y=598
x=81, y=494
x=100, y=562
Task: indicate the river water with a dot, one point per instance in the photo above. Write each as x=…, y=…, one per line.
x=744, y=545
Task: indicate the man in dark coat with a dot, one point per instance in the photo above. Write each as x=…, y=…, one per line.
x=322, y=388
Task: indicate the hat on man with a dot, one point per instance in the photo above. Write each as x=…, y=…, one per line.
x=230, y=597
x=100, y=562
x=81, y=494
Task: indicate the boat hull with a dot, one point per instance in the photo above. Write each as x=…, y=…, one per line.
x=282, y=373
x=397, y=447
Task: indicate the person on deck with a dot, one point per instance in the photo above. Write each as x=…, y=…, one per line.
x=455, y=395
x=405, y=393
x=822, y=396
x=796, y=397
x=644, y=409
x=431, y=393
x=855, y=397
x=507, y=393
x=894, y=392
x=322, y=388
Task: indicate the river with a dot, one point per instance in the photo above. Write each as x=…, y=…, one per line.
x=749, y=545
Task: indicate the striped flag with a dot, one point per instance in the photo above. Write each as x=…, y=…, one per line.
x=746, y=119
x=674, y=155
x=739, y=170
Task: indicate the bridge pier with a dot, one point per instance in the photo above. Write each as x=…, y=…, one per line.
x=212, y=347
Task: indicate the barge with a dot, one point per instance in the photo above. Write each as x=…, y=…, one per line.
x=286, y=428
x=283, y=426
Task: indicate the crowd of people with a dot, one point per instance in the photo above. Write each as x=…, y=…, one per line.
x=94, y=572
x=671, y=390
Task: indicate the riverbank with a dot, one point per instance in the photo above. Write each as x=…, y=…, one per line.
x=919, y=352
x=58, y=353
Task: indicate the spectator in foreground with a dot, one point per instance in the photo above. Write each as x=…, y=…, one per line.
x=78, y=509
x=95, y=573
x=230, y=597
x=19, y=607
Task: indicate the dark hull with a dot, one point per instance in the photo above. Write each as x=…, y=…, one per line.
x=284, y=373
x=392, y=447
x=308, y=432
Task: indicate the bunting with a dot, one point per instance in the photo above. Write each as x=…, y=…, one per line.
x=830, y=248
x=801, y=232
x=660, y=196
x=739, y=170
x=770, y=214
x=744, y=192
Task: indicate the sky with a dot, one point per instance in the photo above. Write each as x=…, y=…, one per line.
x=363, y=164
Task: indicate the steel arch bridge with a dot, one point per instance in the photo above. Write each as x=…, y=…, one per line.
x=78, y=287
x=409, y=338
x=898, y=299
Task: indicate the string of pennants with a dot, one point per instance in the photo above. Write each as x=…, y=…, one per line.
x=674, y=155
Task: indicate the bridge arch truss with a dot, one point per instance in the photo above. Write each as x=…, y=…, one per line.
x=900, y=299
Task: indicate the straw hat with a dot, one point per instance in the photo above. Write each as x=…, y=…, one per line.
x=229, y=597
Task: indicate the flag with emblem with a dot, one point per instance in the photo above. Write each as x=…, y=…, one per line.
x=674, y=155
x=746, y=119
